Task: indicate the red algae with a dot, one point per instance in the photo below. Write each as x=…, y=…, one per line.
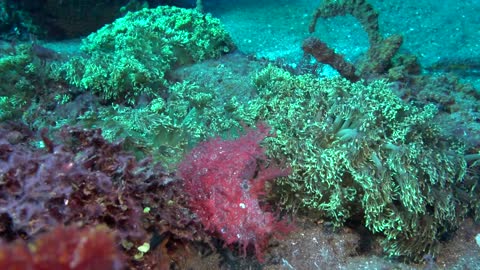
x=65, y=248
x=224, y=179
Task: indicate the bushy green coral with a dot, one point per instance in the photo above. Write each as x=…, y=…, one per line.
x=166, y=127
x=22, y=77
x=133, y=55
x=360, y=151
x=10, y=107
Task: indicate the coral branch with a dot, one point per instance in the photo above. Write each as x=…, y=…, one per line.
x=360, y=9
x=379, y=58
x=326, y=55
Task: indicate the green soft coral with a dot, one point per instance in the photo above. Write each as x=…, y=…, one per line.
x=166, y=127
x=359, y=150
x=131, y=56
x=22, y=76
